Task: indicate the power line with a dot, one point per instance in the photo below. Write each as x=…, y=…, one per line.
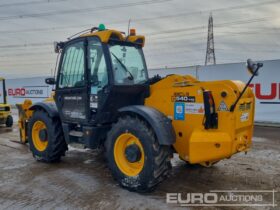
x=225, y=24
x=182, y=30
x=85, y=10
x=150, y=52
x=30, y=3
x=223, y=9
x=200, y=35
x=29, y=64
x=239, y=22
x=27, y=45
x=140, y=19
x=26, y=54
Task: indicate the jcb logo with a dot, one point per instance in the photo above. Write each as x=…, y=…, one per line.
x=274, y=92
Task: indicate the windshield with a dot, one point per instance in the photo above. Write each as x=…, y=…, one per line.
x=128, y=65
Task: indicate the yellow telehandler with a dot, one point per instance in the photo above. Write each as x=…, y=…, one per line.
x=5, y=108
x=104, y=97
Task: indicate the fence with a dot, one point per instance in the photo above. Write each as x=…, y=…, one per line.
x=266, y=86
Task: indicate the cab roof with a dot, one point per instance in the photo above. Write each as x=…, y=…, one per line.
x=107, y=34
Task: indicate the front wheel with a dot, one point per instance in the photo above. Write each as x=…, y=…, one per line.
x=136, y=159
x=45, y=137
x=9, y=121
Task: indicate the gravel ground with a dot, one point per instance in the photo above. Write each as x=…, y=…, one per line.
x=82, y=180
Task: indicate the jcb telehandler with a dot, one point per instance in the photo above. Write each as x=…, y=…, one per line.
x=5, y=108
x=103, y=97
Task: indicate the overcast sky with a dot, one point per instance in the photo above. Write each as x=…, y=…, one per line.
x=175, y=30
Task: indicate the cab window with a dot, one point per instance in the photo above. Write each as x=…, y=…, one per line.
x=128, y=64
x=72, y=72
x=97, y=66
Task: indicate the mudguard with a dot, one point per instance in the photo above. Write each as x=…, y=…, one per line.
x=161, y=125
x=49, y=107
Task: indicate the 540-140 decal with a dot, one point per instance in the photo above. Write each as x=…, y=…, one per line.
x=185, y=99
x=182, y=97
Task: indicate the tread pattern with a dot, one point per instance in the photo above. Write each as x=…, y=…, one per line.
x=159, y=155
x=9, y=121
x=56, y=142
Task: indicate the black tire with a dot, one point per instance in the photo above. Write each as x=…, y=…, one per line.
x=56, y=143
x=157, y=164
x=9, y=121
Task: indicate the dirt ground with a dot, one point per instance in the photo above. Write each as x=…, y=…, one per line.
x=82, y=180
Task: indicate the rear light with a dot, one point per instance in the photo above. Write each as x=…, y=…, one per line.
x=211, y=102
x=132, y=32
x=211, y=117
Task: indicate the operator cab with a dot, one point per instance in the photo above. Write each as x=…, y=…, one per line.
x=99, y=73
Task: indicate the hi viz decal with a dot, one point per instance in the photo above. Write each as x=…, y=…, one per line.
x=194, y=108
x=181, y=109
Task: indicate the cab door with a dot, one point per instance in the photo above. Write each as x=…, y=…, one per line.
x=99, y=78
x=71, y=95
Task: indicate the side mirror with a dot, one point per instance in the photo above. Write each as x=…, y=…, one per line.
x=253, y=67
x=58, y=46
x=50, y=81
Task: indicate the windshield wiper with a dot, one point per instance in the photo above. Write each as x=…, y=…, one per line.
x=124, y=67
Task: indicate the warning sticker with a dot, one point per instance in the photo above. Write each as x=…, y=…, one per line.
x=223, y=107
x=244, y=117
x=179, y=111
x=93, y=101
x=194, y=108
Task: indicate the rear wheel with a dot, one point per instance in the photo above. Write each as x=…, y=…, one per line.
x=46, y=140
x=9, y=121
x=136, y=159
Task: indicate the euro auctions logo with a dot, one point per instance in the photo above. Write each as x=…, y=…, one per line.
x=267, y=94
x=252, y=198
x=29, y=92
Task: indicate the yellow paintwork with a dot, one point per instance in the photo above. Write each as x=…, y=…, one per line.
x=107, y=34
x=4, y=114
x=126, y=167
x=38, y=143
x=24, y=114
x=51, y=98
x=194, y=143
x=137, y=38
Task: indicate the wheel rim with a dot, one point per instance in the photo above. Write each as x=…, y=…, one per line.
x=39, y=143
x=122, y=143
